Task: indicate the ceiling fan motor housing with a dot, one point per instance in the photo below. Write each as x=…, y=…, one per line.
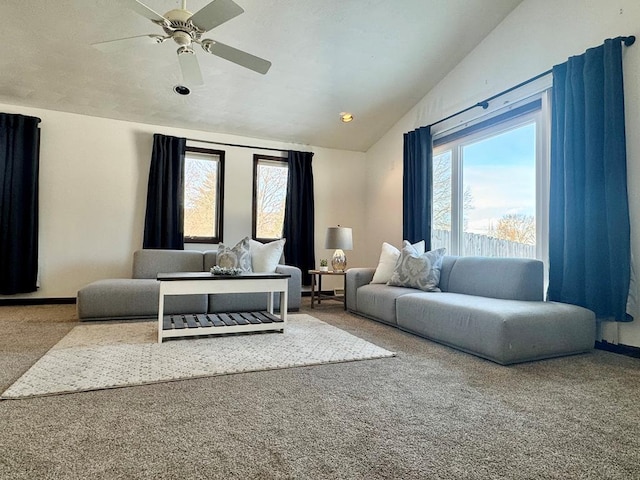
x=180, y=27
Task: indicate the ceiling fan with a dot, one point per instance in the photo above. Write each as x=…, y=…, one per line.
x=187, y=29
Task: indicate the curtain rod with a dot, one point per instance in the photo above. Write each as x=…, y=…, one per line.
x=628, y=41
x=237, y=145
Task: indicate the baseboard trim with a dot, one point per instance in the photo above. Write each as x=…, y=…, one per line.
x=8, y=302
x=626, y=350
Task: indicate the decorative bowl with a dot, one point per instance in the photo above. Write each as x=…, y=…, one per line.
x=226, y=270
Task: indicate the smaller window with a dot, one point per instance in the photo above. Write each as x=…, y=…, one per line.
x=270, y=176
x=203, y=195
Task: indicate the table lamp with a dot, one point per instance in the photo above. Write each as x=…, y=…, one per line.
x=341, y=239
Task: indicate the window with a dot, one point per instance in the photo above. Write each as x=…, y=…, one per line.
x=270, y=176
x=490, y=186
x=203, y=195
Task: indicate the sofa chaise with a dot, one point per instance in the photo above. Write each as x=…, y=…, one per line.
x=489, y=307
x=137, y=297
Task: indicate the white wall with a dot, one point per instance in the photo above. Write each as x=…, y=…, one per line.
x=536, y=36
x=93, y=186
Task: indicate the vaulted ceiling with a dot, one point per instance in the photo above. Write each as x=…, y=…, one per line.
x=373, y=58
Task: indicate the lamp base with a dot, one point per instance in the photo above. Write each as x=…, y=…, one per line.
x=339, y=261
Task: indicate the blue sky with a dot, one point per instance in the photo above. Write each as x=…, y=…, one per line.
x=500, y=173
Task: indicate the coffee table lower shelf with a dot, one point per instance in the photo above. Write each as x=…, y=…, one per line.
x=187, y=325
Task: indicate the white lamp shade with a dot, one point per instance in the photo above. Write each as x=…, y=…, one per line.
x=339, y=237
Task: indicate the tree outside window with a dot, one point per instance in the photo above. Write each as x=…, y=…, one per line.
x=203, y=195
x=269, y=196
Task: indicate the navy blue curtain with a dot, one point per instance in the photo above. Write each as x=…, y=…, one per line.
x=19, y=165
x=589, y=232
x=299, y=249
x=164, y=219
x=416, y=186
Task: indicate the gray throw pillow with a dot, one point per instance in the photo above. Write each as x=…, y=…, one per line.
x=236, y=257
x=418, y=271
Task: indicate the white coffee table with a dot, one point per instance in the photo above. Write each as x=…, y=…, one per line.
x=191, y=324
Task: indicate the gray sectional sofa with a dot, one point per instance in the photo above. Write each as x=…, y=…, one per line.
x=137, y=297
x=490, y=307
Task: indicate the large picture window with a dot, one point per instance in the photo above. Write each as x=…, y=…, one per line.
x=270, y=176
x=490, y=186
x=203, y=195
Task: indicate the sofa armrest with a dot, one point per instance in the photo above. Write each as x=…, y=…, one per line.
x=356, y=278
x=295, y=284
x=295, y=272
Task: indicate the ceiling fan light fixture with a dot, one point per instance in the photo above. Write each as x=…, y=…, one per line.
x=181, y=90
x=182, y=38
x=346, y=117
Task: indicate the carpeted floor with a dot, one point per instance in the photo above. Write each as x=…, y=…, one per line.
x=431, y=412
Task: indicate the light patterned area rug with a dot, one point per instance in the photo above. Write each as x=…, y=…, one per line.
x=99, y=356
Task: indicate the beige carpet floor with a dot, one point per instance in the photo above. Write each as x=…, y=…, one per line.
x=431, y=412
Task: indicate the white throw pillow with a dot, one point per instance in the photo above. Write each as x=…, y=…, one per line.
x=266, y=256
x=388, y=258
x=419, y=247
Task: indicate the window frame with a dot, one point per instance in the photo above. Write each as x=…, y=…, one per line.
x=254, y=208
x=219, y=214
x=533, y=110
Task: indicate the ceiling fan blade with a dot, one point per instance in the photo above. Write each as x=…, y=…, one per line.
x=191, y=74
x=129, y=42
x=215, y=13
x=239, y=57
x=141, y=9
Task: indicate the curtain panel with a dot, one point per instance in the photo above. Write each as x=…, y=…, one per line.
x=417, y=178
x=299, y=219
x=589, y=231
x=164, y=219
x=19, y=167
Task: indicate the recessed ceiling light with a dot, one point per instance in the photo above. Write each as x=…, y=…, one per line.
x=181, y=90
x=346, y=117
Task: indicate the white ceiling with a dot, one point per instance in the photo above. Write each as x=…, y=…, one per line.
x=373, y=58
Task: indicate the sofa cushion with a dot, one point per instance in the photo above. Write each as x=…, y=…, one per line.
x=147, y=263
x=379, y=301
x=237, y=257
x=507, y=278
x=265, y=257
x=418, y=271
x=388, y=259
x=122, y=298
x=210, y=259
x=118, y=298
x=505, y=331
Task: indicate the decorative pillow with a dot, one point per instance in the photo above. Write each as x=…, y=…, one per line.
x=236, y=257
x=266, y=256
x=418, y=271
x=388, y=259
